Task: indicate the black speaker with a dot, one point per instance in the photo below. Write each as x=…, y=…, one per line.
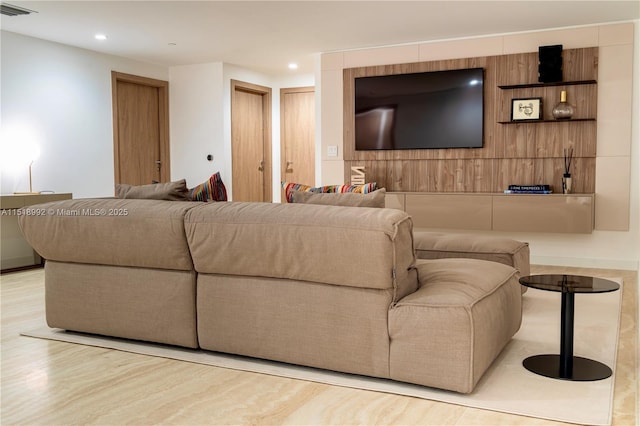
x=550, y=63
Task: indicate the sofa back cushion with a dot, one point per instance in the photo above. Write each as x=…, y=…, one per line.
x=352, y=246
x=170, y=191
x=119, y=232
x=346, y=199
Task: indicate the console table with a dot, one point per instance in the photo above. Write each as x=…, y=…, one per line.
x=565, y=365
x=15, y=252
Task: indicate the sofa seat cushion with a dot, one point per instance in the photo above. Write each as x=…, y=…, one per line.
x=119, y=232
x=448, y=333
x=351, y=246
x=435, y=245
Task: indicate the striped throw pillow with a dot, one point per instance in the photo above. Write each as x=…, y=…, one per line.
x=212, y=189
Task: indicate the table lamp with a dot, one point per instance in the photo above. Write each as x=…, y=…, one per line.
x=30, y=183
x=18, y=150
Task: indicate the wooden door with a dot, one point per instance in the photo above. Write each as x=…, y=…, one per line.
x=297, y=135
x=250, y=142
x=140, y=129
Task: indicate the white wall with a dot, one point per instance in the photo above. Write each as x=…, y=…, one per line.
x=196, y=111
x=618, y=159
x=62, y=94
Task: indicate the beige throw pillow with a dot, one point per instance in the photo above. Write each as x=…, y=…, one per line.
x=345, y=199
x=171, y=191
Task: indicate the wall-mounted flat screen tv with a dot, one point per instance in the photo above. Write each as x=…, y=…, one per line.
x=427, y=110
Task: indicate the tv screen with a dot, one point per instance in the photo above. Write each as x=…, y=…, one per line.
x=439, y=109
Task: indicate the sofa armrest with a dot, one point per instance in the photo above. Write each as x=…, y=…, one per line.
x=448, y=332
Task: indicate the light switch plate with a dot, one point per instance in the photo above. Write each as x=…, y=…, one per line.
x=332, y=151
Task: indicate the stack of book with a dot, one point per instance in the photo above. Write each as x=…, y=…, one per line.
x=528, y=189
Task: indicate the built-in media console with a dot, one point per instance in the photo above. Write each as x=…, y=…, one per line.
x=558, y=213
x=436, y=132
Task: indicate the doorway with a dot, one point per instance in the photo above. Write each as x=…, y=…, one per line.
x=140, y=129
x=297, y=135
x=250, y=142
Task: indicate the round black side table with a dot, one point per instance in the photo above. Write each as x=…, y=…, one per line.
x=566, y=366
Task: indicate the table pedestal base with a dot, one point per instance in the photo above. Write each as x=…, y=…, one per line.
x=583, y=369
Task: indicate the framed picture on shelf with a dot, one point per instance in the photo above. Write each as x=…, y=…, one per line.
x=526, y=109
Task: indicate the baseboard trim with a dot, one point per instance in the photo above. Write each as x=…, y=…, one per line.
x=15, y=263
x=623, y=264
x=21, y=268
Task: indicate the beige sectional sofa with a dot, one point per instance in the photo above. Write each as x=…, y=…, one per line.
x=337, y=288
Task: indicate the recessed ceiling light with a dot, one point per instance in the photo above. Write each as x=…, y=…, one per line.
x=100, y=37
x=293, y=66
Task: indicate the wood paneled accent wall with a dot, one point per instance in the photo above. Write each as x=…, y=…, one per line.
x=513, y=153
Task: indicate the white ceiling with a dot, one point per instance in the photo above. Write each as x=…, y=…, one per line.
x=267, y=35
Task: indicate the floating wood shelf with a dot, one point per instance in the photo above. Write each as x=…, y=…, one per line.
x=558, y=83
x=546, y=121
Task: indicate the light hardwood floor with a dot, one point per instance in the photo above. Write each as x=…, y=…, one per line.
x=55, y=383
